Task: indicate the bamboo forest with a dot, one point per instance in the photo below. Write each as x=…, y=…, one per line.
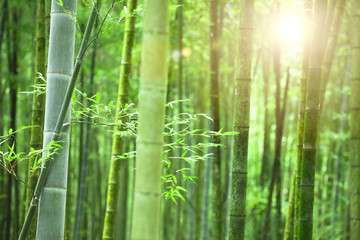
x=180, y=120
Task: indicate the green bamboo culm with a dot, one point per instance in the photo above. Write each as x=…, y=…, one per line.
x=216, y=195
x=3, y=183
x=354, y=184
x=37, y=105
x=50, y=230
x=149, y=144
x=51, y=220
x=289, y=226
x=307, y=16
x=117, y=146
x=241, y=124
x=305, y=231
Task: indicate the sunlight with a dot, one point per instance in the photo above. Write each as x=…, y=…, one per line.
x=291, y=29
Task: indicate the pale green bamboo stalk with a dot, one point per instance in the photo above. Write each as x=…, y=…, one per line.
x=60, y=67
x=354, y=183
x=37, y=105
x=113, y=197
x=61, y=116
x=147, y=192
x=241, y=124
x=305, y=231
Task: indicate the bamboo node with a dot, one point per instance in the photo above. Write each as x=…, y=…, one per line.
x=35, y=201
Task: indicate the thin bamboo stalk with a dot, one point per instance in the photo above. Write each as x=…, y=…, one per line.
x=113, y=197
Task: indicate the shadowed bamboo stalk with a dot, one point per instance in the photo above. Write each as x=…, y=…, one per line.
x=117, y=147
x=149, y=144
x=302, y=103
x=37, y=105
x=305, y=231
x=216, y=195
x=265, y=166
x=241, y=124
x=354, y=184
x=3, y=176
x=289, y=226
x=12, y=224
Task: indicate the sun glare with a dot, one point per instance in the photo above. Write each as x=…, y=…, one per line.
x=291, y=29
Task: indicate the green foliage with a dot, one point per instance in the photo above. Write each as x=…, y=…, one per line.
x=10, y=159
x=177, y=125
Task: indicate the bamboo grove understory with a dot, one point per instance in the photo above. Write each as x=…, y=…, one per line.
x=174, y=120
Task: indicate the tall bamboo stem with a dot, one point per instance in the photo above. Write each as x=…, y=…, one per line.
x=354, y=184
x=149, y=145
x=117, y=147
x=241, y=124
x=311, y=125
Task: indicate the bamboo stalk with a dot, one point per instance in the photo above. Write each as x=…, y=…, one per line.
x=113, y=197
x=149, y=144
x=241, y=124
x=59, y=122
x=305, y=231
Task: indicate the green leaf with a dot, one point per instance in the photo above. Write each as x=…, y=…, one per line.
x=174, y=200
x=184, y=154
x=110, y=104
x=180, y=196
x=61, y=3
x=230, y=133
x=97, y=97
x=181, y=188
x=10, y=131
x=172, y=7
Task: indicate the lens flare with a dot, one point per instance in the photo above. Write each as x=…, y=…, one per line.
x=291, y=29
